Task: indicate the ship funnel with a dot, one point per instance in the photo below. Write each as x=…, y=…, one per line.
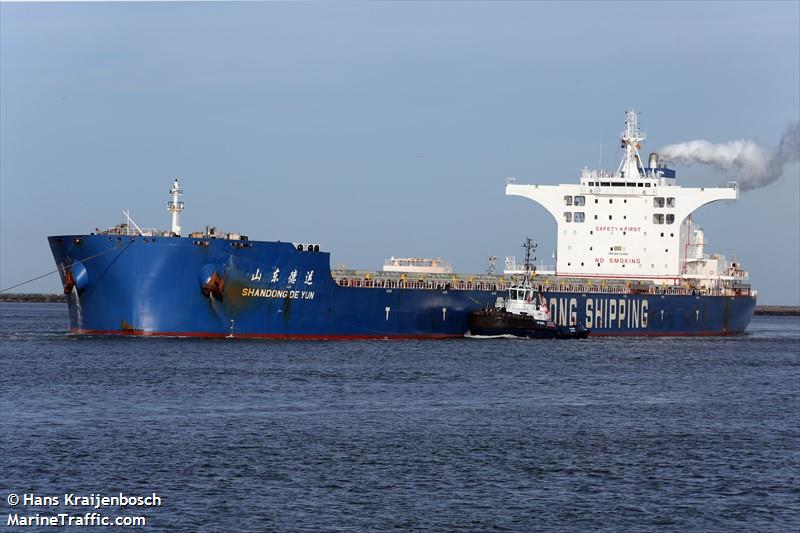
x=653, y=160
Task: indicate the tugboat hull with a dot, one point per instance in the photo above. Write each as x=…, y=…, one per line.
x=497, y=322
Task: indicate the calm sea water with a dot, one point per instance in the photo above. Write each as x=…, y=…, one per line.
x=604, y=434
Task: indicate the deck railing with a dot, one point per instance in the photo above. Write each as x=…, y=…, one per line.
x=466, y=285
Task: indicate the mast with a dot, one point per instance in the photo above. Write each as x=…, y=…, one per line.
x=175, y=207
x=632, y=136
x=529, y=246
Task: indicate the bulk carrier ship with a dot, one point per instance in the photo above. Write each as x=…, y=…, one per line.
x=629, y=261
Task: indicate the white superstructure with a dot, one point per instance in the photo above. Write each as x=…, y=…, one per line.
x=633, y=223
x=417, y=265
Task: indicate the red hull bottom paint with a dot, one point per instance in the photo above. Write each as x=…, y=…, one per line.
x=671, y=334
x=264, y=336
x=268, y=336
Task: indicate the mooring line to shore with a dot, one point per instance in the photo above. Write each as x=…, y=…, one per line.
x=59, y=269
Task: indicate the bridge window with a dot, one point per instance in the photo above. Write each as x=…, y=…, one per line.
x=580, y=200
x=670, y=219
x=580, y=216
x=568, y=200
x=670, y=202
x=658, y=201
x=567, y=216
x=658, y=218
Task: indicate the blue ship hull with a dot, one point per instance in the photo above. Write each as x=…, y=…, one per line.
x=182, y=286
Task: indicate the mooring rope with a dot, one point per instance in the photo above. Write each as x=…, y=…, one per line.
x=60, y=268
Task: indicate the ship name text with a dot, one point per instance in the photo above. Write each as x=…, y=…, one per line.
x=277, y=293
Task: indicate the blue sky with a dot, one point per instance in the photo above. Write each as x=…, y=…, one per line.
x=379, y=129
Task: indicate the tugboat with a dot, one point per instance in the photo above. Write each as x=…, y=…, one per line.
x=523, y=313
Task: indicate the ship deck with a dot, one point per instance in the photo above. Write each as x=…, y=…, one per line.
x=545, y=283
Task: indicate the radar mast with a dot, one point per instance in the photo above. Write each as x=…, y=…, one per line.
x=631, y=165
